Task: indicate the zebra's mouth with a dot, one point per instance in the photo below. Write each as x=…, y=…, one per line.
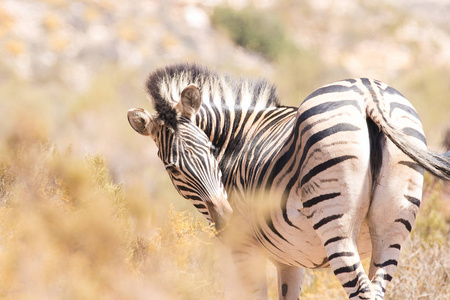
x=220, y=213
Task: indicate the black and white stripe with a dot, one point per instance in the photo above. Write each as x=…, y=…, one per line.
x=325, y=184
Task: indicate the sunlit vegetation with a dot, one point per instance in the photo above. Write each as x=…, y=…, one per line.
x=68, y=232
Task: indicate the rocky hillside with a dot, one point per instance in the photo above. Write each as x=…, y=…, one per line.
x=69, y=40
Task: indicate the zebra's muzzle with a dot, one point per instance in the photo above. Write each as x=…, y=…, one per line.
x=220, y=213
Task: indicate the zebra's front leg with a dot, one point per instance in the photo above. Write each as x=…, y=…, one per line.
x=251, y=266
x=290, y=281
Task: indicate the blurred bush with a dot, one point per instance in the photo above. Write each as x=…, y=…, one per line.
x=68, y=232
x=61, y=224
x=256, y=30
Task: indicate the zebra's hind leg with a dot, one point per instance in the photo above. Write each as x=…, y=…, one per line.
x=391, y=217
x=290, y=281
x=339, y=233
x=346, y=265
x=338, y=225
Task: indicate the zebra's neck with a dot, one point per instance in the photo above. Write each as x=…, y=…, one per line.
x=239, y=136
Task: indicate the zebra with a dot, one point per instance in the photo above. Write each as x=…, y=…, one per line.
x=325, y=184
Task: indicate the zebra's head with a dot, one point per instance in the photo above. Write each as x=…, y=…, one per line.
x=187, y=154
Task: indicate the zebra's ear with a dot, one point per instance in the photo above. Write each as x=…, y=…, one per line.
x=140, y=120
x=190, y=101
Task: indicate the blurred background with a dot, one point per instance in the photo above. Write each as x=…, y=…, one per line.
x=86, y=210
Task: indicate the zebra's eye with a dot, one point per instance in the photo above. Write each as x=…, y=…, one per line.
x=172, y=169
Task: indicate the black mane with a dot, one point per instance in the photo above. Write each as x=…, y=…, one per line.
x=160, y=83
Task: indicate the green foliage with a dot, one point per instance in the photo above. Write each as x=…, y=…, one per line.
x=256, y=30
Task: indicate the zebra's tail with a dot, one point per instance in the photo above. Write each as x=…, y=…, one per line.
x=437, y=164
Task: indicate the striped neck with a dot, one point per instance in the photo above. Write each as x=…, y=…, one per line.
x=240, y=136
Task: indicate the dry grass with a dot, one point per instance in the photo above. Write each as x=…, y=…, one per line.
x=68, y=232
x=423, y=272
